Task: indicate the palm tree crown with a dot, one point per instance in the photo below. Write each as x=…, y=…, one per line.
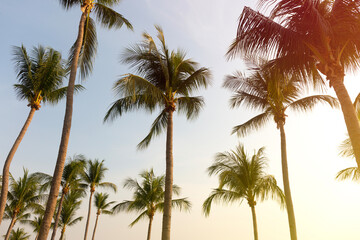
x=148, y=197
x=165, y=81
x=242, y=177
x=19, y=234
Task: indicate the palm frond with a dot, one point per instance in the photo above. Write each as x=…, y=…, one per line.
x=351, y=173
x=88, y=49
x=159, y=124
x=219, y=195
x=254, y=123
x=108, y=17
x=141, y=216
x=307, y=103
x=69, y=3
x=191, y=106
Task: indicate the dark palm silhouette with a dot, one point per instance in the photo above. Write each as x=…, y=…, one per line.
x=307, y=36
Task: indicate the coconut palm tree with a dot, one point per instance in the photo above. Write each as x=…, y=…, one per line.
x=166, y=81
x=35, y=223
x=102, y=207
x=71, y=204
x=243, y=177
x=93, y=177
x=23, y=196
x=308, y=36
x=19, y=234
x=40, y=75
x=81, y=55
x=70, y=181
x=148, y=198
x=272, y=92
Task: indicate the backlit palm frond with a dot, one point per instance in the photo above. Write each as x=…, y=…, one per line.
x=351, y=173
x=88, y=49
x=108, y=17
x=218, y=195
x=268, y=188
x=196, y=80
x=108, y=2
x=259, y=34
x=308, y=103
x=346, y=149
x=108, y=185
x=191, y=106
x=157, y=127
x=23, y=92
x=254, y=123
x=141, y=216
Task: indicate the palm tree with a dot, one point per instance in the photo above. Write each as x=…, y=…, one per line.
x=102, y=206
x=70, y=181
x=148, y=198
x=40, y=77
x=272, y=92
x=22, y=197
x=242, y=177
x=82, y=55
x=166, y=81
x=19, y=234
x=35, y=223
x=68, y=217
x=93, y=177
x=308, y=36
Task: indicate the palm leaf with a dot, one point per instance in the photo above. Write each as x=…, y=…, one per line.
x=308, y=103
x=108, y=17
x=254, y=123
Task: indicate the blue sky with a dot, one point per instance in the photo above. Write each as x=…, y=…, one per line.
x=324, y=208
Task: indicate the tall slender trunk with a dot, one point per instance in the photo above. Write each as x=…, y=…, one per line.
x=12, y=223
x=96, y=223
x=166, y=223
x=62, y=233
x=254, y=222
x=285, y=173
x=6, y=169
x=56, y=223
x=149, y=227
x=351, y=121
x=55, y=184
x=88, y=216
x=37, y=235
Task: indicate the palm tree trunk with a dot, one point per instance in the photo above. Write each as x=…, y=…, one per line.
x=351, y=121
x=6, y=169
x=55, y=184
x=166, y=223
x=149, y=228
x=12, y=223
x=285, y=173
x=56, y=223
x=254, y=222
x=88, y=216
x=96, y=222
x=62, y=233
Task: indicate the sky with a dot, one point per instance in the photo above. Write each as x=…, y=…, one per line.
x=324, y=208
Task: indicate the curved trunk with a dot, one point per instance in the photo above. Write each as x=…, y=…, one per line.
x=56, y=223
x=12, y=223
x=88, y=216
x=254, y=222
x=62, y=233
x=166, y=223
x=6, y=169
x=285, y=173
x=96, y=222
x=149, y=227
x=351, y=121
x=55, y=184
